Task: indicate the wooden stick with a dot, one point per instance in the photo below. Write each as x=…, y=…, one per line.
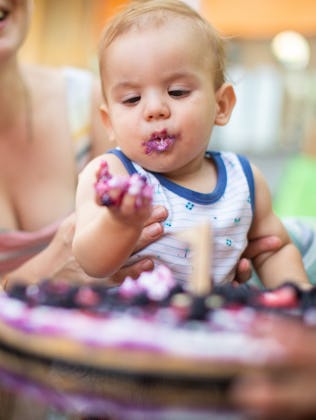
x=199, y=240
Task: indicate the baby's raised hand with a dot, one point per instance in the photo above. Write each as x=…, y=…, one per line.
x=127, y=194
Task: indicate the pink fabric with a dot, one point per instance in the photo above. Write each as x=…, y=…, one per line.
x=16, y=246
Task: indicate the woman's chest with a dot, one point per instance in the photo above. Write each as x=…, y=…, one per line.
x=38, y=182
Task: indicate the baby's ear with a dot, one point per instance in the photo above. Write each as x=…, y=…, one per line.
x=225, y=102
x=107, y=122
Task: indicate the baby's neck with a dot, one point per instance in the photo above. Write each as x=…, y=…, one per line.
x=202, y=178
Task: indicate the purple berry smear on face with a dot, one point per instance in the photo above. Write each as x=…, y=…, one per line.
x=159, y=142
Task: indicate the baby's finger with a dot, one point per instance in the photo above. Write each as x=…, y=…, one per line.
x=136, y=204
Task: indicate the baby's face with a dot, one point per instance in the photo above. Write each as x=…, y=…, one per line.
x=160, y=96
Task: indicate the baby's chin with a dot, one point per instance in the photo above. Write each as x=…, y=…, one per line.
x=162, y=168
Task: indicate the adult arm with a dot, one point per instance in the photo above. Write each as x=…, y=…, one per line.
x=254, y=248
x=57, y=260
x=284, y=264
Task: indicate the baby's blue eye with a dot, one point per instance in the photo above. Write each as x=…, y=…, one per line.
x=132, y=100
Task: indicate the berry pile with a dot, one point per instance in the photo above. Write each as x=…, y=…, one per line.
x=100, y=299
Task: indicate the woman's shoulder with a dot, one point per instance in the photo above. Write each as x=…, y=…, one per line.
x=44, y=84
x=47, y=79
x=40, y=74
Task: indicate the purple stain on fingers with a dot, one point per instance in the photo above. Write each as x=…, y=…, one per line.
x=106, y=200
x=111, y=189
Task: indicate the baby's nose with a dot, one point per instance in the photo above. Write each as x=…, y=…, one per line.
x=157, y=109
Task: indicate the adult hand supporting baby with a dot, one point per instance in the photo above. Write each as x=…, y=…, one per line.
x=254, y=248
x=67, y=267
x=57, y=260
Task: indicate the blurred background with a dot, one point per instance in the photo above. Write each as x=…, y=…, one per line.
x=271, y=48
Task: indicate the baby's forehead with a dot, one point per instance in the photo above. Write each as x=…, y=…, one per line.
x=159, y=18
x=171, y=25
x=187, y=37
x=156, y=19
x=198, y=35
x=149, y=37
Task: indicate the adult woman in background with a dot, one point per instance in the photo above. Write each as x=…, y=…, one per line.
x=49, y=128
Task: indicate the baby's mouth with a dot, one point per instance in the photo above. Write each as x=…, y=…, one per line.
x=159, y=142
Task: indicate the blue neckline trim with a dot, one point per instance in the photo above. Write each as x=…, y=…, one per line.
x=194, y=196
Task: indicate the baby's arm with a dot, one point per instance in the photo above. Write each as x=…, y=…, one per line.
x=285, y=264
x=106, y=235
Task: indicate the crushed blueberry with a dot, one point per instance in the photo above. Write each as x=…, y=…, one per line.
x=100, y=299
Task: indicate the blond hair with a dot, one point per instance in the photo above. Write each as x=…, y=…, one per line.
x=140, y=14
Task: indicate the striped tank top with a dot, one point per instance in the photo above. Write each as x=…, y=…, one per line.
x=228, y=209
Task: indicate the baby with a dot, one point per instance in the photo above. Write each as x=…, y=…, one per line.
x=162, y=72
